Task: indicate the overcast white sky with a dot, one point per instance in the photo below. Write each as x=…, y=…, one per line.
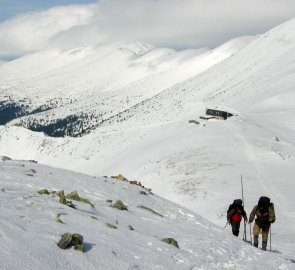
x=177, y=24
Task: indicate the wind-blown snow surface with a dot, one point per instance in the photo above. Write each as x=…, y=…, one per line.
x=29, y=231
x=146, y=97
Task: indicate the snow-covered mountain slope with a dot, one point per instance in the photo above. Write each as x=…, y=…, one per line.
x=79, y=87
x=30, y=229
x=140, y=127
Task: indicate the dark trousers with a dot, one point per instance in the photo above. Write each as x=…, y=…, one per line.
x=235, y=228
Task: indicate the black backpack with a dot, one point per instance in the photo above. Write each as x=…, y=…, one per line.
x=238, y=202
x=264, y=202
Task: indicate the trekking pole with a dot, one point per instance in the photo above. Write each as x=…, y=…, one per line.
x=270, y=238
x=250, y=234
x=225, y=225
x=245, y=232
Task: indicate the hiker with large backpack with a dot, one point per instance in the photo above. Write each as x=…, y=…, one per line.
x=235, y=213
x=265, y=215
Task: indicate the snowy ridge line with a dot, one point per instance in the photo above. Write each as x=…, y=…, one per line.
x=162, y=60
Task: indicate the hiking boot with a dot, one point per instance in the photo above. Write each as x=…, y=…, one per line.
x=255, y=241
x=264, y=244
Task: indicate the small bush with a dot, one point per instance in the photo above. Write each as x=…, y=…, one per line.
x=58, y=220
x=150, y=210
x=111, y=226
x=62, y=199
x=86, y=201
x=43, y=192
x=74, y=196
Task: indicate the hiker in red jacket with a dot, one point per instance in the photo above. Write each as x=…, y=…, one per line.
x=235, y=213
